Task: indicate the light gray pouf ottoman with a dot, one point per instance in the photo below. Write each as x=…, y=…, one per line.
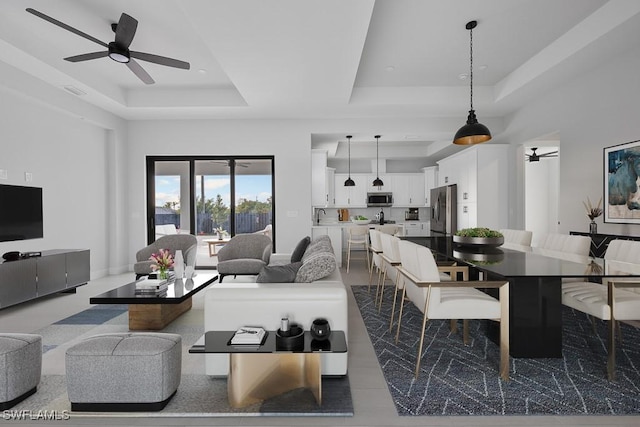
x=20, y=367
x=124, y=371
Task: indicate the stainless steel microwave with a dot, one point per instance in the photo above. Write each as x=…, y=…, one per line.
x=379, y=199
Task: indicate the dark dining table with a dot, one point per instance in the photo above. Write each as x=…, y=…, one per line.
x=535, y=283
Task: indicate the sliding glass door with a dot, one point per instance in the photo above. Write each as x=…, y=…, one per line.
x=211, y=198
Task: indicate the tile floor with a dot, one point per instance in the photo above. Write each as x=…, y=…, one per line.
x=372, y=401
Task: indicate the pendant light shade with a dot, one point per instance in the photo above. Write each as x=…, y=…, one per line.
x=349, y=182
x=472, y=132
x=377, y=182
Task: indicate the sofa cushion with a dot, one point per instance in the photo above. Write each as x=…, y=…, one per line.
x=318, y=261
x=285, y=273
x=302, y=245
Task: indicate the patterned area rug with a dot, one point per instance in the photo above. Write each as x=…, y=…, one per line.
x=198, y=394
x=463, y=380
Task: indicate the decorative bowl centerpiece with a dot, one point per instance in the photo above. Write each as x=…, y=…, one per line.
x=360, y=220
x=479, y=236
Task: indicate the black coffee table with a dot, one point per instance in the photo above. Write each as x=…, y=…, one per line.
x=257, y=372
x=150, y=312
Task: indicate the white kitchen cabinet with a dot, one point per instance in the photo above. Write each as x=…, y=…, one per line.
x=354, y=197
x=322, y=182
x=480, y=173
x=386, y=178
x=430, y=181
x=408, y=189
x=335, y=234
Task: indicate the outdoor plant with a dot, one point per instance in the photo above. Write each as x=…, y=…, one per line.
x=478, y=232
x=163, y=261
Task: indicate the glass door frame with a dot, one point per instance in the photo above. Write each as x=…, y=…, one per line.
x=151, y=190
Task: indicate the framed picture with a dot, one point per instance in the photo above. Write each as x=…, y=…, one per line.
x=621, y=178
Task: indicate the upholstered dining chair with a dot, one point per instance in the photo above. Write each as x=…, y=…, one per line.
x=375, y=247
x=572, y=244
x=390, y=260
x=450, y=299
x=388, y=229
x=358, y=235
x=616, y=299
x=517, y=237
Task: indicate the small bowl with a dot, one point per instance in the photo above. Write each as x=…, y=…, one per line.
x=361, y=221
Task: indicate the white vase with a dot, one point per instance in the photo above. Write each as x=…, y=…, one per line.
x=178, y=264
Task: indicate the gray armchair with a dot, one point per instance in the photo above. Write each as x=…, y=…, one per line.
x=245, y=254
x=187, y=243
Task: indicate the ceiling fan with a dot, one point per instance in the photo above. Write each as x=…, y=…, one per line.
x=228, y=163
x=535, y=157
x=118, y=50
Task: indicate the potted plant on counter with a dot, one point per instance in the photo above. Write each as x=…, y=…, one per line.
x=478, y=236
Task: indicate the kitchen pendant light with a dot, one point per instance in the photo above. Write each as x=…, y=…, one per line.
x=349, y=182
x=377, y=182
x=473, y=132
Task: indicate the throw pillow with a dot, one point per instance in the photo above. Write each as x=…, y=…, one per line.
x=279, y=273
x=316, y=266
x=296, y=255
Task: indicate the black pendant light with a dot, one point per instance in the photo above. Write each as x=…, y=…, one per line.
x=349, y=182
x=473, y=132
x=377, y=182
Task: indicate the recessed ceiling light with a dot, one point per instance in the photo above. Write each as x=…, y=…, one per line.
x=202, y=71
x=483, y=67
x=463, y=76
x=389, y=68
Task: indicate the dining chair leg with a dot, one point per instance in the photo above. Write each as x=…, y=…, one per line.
x=348, y=256
x=404, y=291
x=465, y=331
x=370, y=274
x=611, y=344
x=424, y=325
x=366, y=250
x=380, y=275
x=593, y=323
x=504, y=331
x=395, y=297
x=384, y=279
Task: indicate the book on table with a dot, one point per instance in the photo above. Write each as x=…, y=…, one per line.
x=248, y=335
x=152, y=284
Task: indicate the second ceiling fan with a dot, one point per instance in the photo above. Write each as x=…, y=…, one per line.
x=118, y=50
x=535, y=157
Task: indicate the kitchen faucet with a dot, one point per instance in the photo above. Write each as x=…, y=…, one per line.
x=318, y=215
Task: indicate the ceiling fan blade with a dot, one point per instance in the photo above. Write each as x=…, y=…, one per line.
x=65, y=26
x=162, y=60
x=125, y=30
x=140, y=72
x=549, y=154
x=87, y=56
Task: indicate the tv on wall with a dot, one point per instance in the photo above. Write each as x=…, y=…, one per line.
x=20, y=213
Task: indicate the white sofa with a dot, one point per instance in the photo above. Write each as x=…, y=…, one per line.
x=242, y=302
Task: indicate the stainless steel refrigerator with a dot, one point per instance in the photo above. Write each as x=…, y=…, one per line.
x=444, y=213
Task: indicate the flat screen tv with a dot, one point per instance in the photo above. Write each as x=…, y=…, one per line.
x=20, y=213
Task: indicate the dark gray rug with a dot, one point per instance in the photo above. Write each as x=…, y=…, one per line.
x=463, y=380
x=198, y=394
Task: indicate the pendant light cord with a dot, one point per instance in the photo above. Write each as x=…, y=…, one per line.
x=349, y=145
x=471, y=65
x=377, y=160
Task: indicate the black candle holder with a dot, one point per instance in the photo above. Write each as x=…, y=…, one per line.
x=291, y=340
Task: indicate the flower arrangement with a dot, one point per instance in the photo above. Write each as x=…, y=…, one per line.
x=163, y=261
x=592, y=212
x=478, y=232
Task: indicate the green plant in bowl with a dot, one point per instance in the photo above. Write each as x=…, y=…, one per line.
x=478, y=236
x=478, y=232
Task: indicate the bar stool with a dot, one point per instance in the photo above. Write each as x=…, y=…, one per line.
x=358, y=235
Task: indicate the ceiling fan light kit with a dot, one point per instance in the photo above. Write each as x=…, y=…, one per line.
x=349, y=182
x=377, y=182
x=118, y=50
x=472, y=132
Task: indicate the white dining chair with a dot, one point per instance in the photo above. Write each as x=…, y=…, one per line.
x=358, y=235
x=375, y=247
x=517, y=237
x=617, y=298
x=450, y=299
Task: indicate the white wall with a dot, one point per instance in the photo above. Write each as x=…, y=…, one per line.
x=541, y=196
x=77, y=160
x=590, y=112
